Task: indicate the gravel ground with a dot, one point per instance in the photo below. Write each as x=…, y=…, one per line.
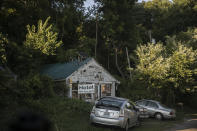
x=189, y=124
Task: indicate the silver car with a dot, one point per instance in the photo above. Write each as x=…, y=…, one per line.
x=114, y=111
x=156, y=109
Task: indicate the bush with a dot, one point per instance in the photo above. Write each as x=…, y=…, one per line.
x=133, y=90
x=189, y=99
x=60, y=88
x=78, y=105
x=35, y=86
x=7, y=88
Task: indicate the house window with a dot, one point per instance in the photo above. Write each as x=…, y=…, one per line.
x=106, y=90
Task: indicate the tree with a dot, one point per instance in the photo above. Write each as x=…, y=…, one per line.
x=165, y=17
x=15, y=14
x=188, y=37
x=43, y=38
x=182, y=67
x=170, y=71
x=118, y=30
x=152, y=62
x=152, y=67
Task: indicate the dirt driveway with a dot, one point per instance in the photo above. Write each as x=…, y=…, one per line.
x=189, y=124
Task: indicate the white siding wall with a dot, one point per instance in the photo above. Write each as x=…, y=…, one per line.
x=92, y=72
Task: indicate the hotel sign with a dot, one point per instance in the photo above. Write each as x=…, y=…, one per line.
x=86, y=88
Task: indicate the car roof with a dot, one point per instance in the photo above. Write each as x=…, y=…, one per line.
x=114, y=98
x=149, y=100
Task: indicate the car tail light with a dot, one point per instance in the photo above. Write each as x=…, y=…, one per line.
x=145, y=110
x=171, y=113
x=121, y=112
x=93, y=110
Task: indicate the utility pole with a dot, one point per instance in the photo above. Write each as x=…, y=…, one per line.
x=150, y=31
x=150, y=35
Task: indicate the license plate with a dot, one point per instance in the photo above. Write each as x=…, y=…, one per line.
x=106, y=113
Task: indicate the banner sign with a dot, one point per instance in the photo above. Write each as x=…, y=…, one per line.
x=86, y=88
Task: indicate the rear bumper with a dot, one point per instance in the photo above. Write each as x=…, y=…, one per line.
x=107, y=121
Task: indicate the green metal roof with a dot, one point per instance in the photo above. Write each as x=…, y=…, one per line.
x=60, y=71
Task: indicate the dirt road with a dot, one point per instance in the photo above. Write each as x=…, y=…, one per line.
x=189, y=124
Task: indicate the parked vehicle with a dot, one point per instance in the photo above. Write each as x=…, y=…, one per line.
x=115, y=111
x=156, y=109
x=142, y=112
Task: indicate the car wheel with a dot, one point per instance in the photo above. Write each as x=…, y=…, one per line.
x=158, y=116
x=126, y=126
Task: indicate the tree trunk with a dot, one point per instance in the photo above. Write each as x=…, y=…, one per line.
x=128, y=63
x=96, y=37
x=108, y=61
x=117, y=66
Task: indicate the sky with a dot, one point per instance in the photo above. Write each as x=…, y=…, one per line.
x=89, y=3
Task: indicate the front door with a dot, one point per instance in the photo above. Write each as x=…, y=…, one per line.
x=106, y=90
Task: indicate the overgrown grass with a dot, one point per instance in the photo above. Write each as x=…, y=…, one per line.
x=73, y=115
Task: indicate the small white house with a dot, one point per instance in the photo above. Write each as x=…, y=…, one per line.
x=87, y=79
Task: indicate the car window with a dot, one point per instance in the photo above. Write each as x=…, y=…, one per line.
x=142, y=103
x=163, y=105
x=109, y=103
x=152, y=104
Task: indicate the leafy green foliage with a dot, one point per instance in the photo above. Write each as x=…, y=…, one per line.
x=188, y=37
x=3, y=42
x=7, y=87
x=162, y=70
x=42, y=38
x=181, y=62
x=152, y=62
x=157, y=65
x=35, y=86
x=168, y=18
x=134, y=90
x=173, y=71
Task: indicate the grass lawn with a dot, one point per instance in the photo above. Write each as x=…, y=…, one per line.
x=73, y=115
x=79, y=122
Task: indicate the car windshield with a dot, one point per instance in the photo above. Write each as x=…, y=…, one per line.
x=109, y=104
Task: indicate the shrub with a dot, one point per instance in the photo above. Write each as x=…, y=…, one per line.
x=35, y=86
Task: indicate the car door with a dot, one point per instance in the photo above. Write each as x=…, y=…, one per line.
x=134, y=112
x=131, y=114
x=151, y=107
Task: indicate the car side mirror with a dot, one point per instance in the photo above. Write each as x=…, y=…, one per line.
x=128, y=105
